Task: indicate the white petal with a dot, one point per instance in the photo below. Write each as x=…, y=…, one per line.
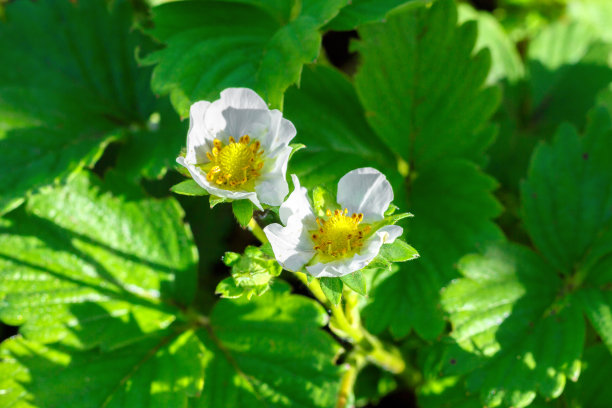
x=297, y=206
x=280, y=132
x=384, y=235
x=365, y=191
x=242, y=98
x=197, y=136
x=200, y=177
x=239, y=112
x=272, y=188
x=291, y=245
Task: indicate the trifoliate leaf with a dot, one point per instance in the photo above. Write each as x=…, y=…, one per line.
x=506, y=313
x=333, y=127
x=567, y=194
x=266, y=352
x=332, y=287
x=72, y=93
x=408, y=84
x=80, y=259
x=240, y=44
x=355, y=281
x=243, y=211
x=189, y=188
x=399, y=251
x=593, y=390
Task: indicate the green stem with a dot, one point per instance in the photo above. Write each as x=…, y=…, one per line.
x=254, y=227
x=355, y=363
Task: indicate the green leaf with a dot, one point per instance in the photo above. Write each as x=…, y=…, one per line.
x=566, y=62
x=597, y=305
x=149, y=152
x=266, y=352
x=506, y=313
x=596, y=14
x=333, y=126
x=243, y=210
x=359, y=12
x=163, y=370
x=355, y=281
x=423, y=90
x=399, y=251
x=424, y=94
x=593, y=390
x=332, y=287
x=241, y=44
x=323, y=200
x=567, y=194
x=506, y=62
x=78, y=256
x=189, y=188
x=72, y=94
x=454, y=207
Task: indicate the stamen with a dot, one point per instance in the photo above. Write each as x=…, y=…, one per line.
x=339, y=235
x=236, y=164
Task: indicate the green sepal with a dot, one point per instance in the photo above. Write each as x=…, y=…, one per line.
x=243, y=210
x=228, y=289
x=380, y=262
x=398, y=251
x=188, y=188
x=214, y=200
x=252, y=273
x=332, y=288
x=323, y=200
x=356, y=282
x=390, y=220
x=392, y=209
x=295, y=147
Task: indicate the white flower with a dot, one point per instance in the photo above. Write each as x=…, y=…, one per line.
x=237, y=148
x=344, y=240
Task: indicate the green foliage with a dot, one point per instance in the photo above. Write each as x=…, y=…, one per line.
x=79, y=259
x=113, y=295
x=241, y=356
x=73, y=94
x=332, y=126
x=416, y=109
x=239, y=42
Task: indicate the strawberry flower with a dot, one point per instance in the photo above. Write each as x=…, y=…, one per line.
x=342, y=239
x=238, y=149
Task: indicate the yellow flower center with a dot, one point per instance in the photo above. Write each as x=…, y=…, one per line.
x=339, y=235
x=234, y=165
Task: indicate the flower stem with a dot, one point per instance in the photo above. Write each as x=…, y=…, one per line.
x=254, y=227
x=385, y=356
x=355, y=363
